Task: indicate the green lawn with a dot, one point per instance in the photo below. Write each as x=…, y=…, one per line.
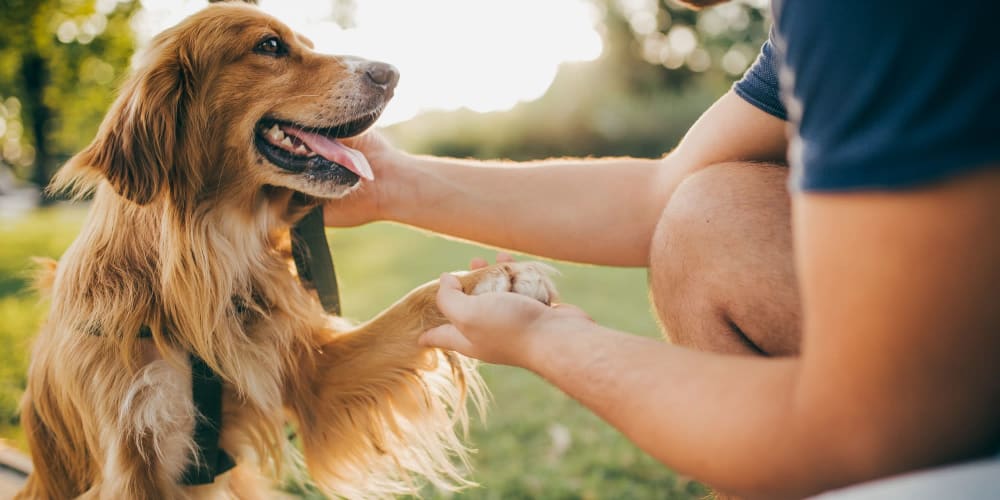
x=523, y=447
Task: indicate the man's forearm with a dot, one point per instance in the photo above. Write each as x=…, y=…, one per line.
x=594, y=211
x=558, y=208
x=729, y=421
x=737, y=423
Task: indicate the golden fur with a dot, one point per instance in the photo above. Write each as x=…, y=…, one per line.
x=189, y=234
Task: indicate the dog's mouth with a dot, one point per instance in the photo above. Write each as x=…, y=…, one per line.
x=315, y=151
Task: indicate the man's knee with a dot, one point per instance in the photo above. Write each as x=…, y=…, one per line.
x=718, y=190
x=722, y=238
x=697, y=225
x=683, y=249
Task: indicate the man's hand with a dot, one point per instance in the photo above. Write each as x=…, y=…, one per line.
x=364, y=204
x=499, y=327
x=479, y=262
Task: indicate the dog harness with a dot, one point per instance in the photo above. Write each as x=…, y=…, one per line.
x=314, y=265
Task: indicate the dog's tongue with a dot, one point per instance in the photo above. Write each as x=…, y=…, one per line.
x=334, y=151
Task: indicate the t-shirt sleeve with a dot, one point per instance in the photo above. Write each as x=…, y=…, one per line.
x=759, y=85
x=891, y=94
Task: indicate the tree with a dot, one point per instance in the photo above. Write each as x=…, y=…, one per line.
x=677, y=45
x=59, y=63
x=661, y=67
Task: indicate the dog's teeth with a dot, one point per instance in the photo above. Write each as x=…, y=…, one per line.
x=275, y=133
x=287, y=142
x=302, y=150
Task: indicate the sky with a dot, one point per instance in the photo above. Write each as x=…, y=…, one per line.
x=484, y=55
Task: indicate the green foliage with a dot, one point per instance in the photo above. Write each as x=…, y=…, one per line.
x=45, y=234
x=59, y=63
x=535, y=443
x=584, y=113
x=662, y=66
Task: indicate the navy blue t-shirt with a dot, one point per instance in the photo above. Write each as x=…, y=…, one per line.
x=884, y=94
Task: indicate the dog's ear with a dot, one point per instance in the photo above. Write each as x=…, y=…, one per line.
x=136, y=145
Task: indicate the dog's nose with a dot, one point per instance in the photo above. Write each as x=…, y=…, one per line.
x=382, y=74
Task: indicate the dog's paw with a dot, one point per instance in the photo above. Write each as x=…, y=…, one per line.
x=531, y=279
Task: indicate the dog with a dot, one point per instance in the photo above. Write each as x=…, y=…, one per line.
x=224, y=136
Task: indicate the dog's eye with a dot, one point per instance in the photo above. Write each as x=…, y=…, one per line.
x=271, y=46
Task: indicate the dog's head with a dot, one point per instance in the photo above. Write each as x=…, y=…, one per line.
x=231, y=101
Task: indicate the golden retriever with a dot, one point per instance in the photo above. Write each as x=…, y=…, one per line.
x=224, y=136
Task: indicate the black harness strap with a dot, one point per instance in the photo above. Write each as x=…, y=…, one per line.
x=314, y=263
x=206, y=391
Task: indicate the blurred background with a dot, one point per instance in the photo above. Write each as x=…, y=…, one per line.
x=518, y=79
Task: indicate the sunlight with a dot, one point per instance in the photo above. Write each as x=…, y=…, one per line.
x=477, y=54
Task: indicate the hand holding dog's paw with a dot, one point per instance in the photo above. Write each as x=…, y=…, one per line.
x=491, y=323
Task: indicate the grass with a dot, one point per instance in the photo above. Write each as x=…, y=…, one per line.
x=43, y=234
x=536, y=442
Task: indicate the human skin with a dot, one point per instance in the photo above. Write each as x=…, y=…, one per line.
x=550, y=208
x=887, y=319
x=897, y=370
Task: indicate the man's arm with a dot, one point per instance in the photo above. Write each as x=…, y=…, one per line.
x=556, y=208
x=899, y=366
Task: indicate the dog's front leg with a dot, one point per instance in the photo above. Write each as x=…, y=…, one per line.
x=376, y=409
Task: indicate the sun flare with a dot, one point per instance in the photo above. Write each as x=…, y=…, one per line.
x=477, y=54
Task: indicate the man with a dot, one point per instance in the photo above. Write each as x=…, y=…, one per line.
x=864, y=305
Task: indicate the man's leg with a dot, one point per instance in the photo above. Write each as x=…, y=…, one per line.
x=721, y=265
